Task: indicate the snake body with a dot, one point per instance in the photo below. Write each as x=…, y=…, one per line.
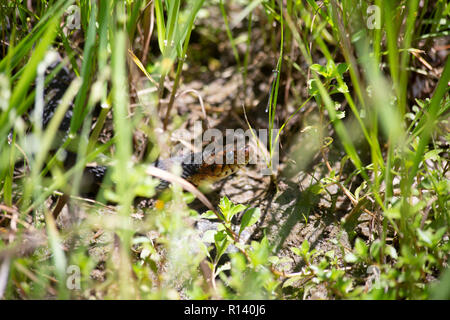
x=213, y=166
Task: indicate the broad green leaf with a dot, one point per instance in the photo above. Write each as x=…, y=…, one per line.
x=250, y=217
x=319, y=69
x=221, y=242
x=305, y=247
x=390, y=251
x=361, y=248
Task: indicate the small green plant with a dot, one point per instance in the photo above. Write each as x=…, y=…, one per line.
x=251, y=276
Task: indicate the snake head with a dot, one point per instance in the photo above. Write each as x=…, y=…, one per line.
x=222, y=163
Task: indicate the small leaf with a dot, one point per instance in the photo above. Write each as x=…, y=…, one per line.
x=111, y=195
x=341, y=68
x=221, y=242
x=313, y=88
x=375, y=249
x=316, y=188
x=433, y=154
x=296, y=251
x=203, y=248
x=390, y=251
x=145, y=253
x=351, y=258
x=291, y=281
x=225, y=207
x=426, y=236
x=342, y=88
x=319, y=69
x=250, y=217
x=330, y=67
x=236, y=209
x=224, y=204
x=305, y=247
x=208, y=215
x=146, y=190
x=358, y=190
x=188, y=197
x=361, y=248
x=439, y=234
x=340, y=115
x=208, y=236
x=329, y=254
x=224, y=267
x=393, y=213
